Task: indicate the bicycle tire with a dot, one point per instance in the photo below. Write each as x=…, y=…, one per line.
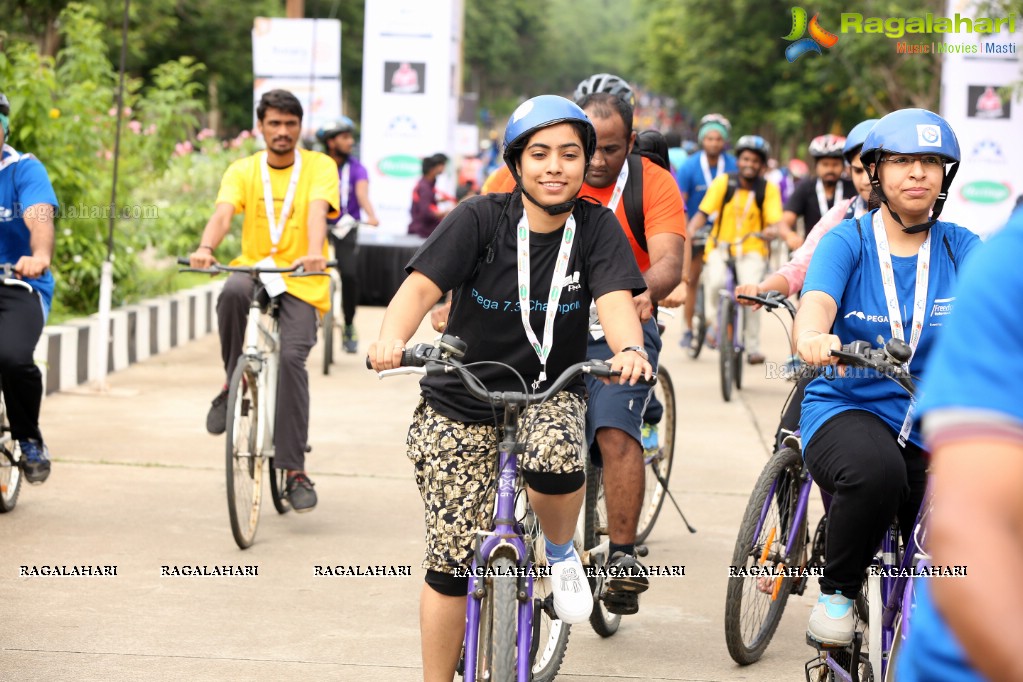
x=278, y=486
x=10, y=469
x=328, y=333
x=499, y=619
x=550, y=635
x=699, y=325
x=726, y=350
x=603, y=622
x=739, y=348
x=244, y=463
x=745, y=644
x=660, y=464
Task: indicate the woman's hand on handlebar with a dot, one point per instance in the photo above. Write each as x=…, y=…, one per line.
x=632, y=365
x=815, y=349
x=747, y=290
x=385, y=354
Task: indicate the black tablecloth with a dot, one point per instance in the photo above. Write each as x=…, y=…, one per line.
x=381, y=264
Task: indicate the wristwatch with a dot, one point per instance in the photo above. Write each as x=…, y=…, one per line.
x=639, y=349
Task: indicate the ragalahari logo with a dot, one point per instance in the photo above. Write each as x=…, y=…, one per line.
x=817, y=39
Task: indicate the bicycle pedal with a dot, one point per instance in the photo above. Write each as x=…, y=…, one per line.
x=548, y=607
x=824, y=646
x=642, y=550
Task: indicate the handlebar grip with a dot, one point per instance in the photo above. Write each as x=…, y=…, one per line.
x=413, y=356
x=184, y=261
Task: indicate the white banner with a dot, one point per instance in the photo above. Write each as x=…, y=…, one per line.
x=987, y=122
x=411, y=53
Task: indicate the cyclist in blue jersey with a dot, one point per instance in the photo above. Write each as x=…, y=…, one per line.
x=27, y=206
x=970, y=628
x=889, y=273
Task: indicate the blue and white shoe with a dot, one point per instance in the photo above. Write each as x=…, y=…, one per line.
x=35, y=460
x=831, y=621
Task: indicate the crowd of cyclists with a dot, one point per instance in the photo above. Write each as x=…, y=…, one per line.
x=548, y=249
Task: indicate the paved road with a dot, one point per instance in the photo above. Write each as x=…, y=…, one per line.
x=138, y=484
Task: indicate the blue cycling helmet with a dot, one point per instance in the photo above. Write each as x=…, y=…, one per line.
x=856, y=137
x=541, y=112
x=329, y=130
x=913, y=131
x=753, y=143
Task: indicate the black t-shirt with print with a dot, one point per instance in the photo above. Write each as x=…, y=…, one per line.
x=803, y=200
x=485, y=308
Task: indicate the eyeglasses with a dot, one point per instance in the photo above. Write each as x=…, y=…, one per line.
x=905, y=161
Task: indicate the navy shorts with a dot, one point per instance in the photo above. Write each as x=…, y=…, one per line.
x=619, y=406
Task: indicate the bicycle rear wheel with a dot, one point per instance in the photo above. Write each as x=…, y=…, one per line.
x=699, y=325
x=244, y=461
x=278, y=485
x=658, y=464
x=10, y=469
x=498, y=624
x=328, y=331
x=550, y=634
x=726, y=349
x=595, y=531
x=754, y=604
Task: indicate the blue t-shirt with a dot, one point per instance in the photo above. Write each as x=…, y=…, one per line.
x=846, y=267
x=691, y=181
x=971, y=368
x=23, y=184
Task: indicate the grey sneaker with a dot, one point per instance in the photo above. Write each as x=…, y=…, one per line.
x=35, y=460
x=300, y=493
x=626, y=578
x=350, y=339
x=831, y=621
x=216, y=418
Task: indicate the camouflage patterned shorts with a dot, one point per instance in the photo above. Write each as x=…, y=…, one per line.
x=456, y=470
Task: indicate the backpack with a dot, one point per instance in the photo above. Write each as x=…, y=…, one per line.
x=759, y=191
x=652, y=145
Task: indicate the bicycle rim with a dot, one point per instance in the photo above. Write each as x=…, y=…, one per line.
x=244, y=462
x=754, y=604
x=658, y=464
x=10, y=476
x=604, y=622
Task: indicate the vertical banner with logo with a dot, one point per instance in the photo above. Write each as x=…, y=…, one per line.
x=302, y=56
x=987, y=122
x=411, y=52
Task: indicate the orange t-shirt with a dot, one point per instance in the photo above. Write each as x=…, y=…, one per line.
x=499, y=181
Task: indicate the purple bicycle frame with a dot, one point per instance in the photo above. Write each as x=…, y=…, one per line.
x=505, y=538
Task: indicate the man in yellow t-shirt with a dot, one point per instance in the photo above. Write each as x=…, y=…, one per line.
x=742, y=225
x=304, y=190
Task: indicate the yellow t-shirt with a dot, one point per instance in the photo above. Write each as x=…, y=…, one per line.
x=743, y=205
x=242, y=187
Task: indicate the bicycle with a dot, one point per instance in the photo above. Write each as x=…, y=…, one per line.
x=512, y=631
x=699, y=311
x=731, y=325
x=10, y=452
x=252, y=405
x=771, y=561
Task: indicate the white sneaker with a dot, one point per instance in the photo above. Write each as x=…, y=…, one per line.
x=573, y=601
x=831, y=621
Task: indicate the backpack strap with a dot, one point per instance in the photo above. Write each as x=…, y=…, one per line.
x=633, y=198
x=489, y=246
x=759, y=193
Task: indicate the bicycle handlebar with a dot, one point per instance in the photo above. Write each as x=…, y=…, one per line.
x=772, y=300
x=889, y=360
x=254, y=270
x=6, y=270
x=424, y=358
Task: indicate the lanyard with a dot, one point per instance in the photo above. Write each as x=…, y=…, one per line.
x=616, y=194
x=740, y=218
x=705, y=167
x=859, y=207
x=345, y=175
x=543, y=351
x=822, y=200
x=923, y=266
x=277, y=229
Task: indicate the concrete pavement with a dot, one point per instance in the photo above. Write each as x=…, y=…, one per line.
x=138, y=484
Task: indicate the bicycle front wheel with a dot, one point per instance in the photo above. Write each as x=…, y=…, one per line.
x=699, y=325
x=726, y=348
x=328, y=331
x=754, y=603
x=550, y=634
x=595, y=531
x=244, y=461
x=498, y=624
x=658, y=461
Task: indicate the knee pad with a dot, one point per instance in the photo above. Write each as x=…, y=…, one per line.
x=447, y=584
x=554, y=484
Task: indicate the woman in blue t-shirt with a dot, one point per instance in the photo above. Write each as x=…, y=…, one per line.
x=890, y=273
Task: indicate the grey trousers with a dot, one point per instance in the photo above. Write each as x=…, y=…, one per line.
x=298, y=322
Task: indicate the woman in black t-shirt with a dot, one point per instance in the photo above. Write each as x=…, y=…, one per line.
x=573, y=244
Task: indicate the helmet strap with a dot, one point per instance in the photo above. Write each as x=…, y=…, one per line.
x=553, y=209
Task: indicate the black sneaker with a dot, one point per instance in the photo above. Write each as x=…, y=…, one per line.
x=216, y=418
x=626, y=579
x=350, y=339
x=35, y=460
x=300, y=493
